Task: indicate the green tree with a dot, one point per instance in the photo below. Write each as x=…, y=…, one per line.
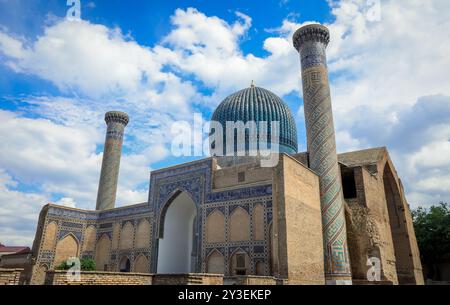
x=432, y=228
x=87, y=264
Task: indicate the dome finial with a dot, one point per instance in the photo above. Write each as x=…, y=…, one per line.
x=252, y=84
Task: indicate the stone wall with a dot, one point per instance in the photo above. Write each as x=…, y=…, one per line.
x=99, y=278
x=249, y=173
x=379, y=223
x=18, y=261
x=369, y=232
x=369, y=283
x=188, y=279
x=10, y=276
x=382, y=245
x=250, y=280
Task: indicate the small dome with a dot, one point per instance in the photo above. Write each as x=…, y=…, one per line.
x=258, y=104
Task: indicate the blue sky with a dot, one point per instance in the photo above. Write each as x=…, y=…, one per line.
x=161, y=61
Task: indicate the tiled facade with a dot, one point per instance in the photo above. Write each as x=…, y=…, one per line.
x=273, y=218
x=116, y=233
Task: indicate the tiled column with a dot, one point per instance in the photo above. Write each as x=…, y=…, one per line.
x=107, y=189
x=311, y=42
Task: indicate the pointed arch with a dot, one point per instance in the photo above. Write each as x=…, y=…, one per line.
x=398, y=222
x=125, y=264
x=178, y=233
x=141, y=265
x=66, y=248
x=127, y=236
x=143, y=234
x=102, y=253
x=162, y=215
x=215, y=227
x=215, y=263
x=239, y=226
x=239, y=262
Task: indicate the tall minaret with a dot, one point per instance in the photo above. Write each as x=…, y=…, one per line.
x=311, y=42
x=107, y=188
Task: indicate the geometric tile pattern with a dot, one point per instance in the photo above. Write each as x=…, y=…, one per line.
x=195, y=180
x=192, y=178
x=256, y=104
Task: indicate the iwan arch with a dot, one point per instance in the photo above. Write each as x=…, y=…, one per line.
x=314, y=218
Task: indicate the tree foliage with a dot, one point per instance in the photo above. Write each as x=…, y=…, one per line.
x=87, y=264
x=432, y=227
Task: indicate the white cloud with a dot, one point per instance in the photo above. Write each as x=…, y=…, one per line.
x=77, y=55
x=58, y=160
x=390, y=88
x=18, y=212
x=66, y=202
x=208, y=48
x=93, y=61
x=40, y=151
x=391, y=63
x=12, y=47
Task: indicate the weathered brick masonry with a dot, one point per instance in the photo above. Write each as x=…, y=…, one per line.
x=10, y=276
x=98, y=278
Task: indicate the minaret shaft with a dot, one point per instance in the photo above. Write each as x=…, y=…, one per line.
x=107, y=189
x=311, y=42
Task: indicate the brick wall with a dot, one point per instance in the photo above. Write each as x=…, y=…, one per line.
x=297, y=224
x=188, y=279
x=250, y=280
x=99, y=278
x=10, y=276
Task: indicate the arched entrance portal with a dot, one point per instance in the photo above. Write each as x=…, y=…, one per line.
x=397, y=218
x=176, y=253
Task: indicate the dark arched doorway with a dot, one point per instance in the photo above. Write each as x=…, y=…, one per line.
x=397, y=219
x=176, y=250
x=125, y=265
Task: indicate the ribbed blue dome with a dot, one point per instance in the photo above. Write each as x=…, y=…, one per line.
x=258, y=104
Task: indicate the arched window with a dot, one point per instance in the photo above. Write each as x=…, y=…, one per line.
x=240, y=262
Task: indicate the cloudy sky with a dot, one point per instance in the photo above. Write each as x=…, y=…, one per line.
x=161, y=61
